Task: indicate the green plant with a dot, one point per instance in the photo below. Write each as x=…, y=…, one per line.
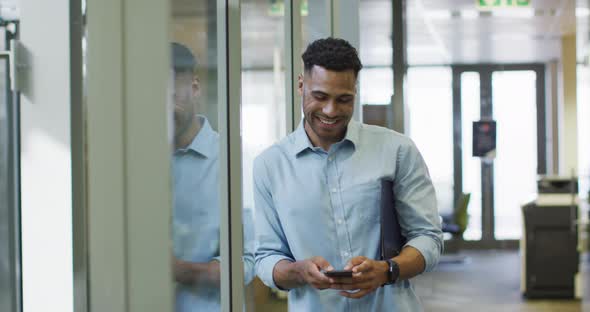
x=461, y=215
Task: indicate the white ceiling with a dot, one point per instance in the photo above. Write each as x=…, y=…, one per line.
x=454, y=31
x=439, y=31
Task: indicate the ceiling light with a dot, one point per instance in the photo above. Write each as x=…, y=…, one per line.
x=514, y=13
x=469, y=14
x=438, y=14
x=582, y=12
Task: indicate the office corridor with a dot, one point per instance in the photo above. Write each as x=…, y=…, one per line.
x=487, y=281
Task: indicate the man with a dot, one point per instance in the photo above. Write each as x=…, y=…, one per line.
x=317, y=196
x=196, y=201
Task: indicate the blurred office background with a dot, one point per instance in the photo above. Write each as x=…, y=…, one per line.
x=86, y=141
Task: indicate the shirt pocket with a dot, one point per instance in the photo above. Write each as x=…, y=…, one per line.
x=364, y=200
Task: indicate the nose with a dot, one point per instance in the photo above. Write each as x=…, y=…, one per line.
x=330, y=109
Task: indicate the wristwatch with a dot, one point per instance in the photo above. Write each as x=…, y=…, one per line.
x=392, y=272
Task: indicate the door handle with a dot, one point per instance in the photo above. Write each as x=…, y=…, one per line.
x=16, y=64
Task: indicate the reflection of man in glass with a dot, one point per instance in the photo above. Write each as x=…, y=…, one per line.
x=196, y=202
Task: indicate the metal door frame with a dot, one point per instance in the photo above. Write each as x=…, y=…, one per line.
x=12, y=202
x=487, y=169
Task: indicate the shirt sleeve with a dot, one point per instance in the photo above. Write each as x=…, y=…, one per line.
x=249, y=242
x=416, y=204
x=272, y=243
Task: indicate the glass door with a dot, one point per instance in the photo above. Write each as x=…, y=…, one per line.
x=430, y=109
x=513, y=97
x=471, y=173
x=515, y=166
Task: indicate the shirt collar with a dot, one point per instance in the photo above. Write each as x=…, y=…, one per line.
x=204, y=142
x=352, y=133
x=301, y=141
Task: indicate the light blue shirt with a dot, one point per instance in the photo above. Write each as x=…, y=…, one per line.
x=310, y=202
x=196, y=217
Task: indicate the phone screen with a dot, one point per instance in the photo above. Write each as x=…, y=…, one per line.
x=338, y=273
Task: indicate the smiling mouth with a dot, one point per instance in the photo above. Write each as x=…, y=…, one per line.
x=328, y=122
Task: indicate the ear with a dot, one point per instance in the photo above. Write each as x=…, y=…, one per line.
x=196, y=86
x=300, y=84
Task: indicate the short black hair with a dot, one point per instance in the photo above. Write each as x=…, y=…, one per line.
x=333, y=54
x=183, y=59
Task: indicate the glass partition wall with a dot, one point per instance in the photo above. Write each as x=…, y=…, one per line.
x=196, y=161
x=263, y=110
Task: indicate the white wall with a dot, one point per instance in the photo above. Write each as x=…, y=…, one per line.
x=45, y=158
x=569, y=126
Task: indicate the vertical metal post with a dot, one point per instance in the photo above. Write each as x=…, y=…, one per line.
x=293, y=66
x=457, y=138
x=552, y=118
x=10, y=236
x=234, y=91
x=541, y=123
x=229, y=86
x=399, y=66
x=77, y=140
x=223, y=121
x=14, y=195
x=10, y=255
x=487, y=167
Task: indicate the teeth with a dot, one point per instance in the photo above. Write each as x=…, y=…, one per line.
x=327, y=122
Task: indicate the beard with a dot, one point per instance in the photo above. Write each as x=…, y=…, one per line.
x=182, y=121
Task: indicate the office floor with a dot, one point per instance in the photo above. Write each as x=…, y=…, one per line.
x=486, y=281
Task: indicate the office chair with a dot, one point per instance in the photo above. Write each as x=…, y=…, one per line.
x=460, y=218
x=456, y=227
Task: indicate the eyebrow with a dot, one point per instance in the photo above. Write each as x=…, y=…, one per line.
x=318, y=92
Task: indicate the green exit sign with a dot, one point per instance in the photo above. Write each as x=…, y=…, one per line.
x=492, y=4
x=277, y=8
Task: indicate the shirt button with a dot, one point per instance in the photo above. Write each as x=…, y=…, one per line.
x=330, y=158
x=334, y=190
x=339, y=221
x=346, y=254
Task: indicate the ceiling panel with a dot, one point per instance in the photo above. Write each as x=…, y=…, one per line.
x=439, y=31
x=454, y=31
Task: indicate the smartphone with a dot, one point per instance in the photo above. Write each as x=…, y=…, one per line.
x=338, y=273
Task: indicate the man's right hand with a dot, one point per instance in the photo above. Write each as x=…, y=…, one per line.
x=289, y=274
x=310, y=271
x=191, y=273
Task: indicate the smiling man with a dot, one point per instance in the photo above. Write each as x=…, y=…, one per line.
x=317, y=195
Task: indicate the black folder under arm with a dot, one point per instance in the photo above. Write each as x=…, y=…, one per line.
x=392, y=239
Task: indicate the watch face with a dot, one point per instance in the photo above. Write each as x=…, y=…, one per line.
x=393, y=271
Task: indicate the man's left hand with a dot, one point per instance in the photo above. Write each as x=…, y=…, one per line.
x=367, y=275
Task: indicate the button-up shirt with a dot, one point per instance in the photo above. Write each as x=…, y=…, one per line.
x=196, y=217
x=310, y=202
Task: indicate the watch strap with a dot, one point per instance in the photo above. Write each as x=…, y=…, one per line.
x=392, y=272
